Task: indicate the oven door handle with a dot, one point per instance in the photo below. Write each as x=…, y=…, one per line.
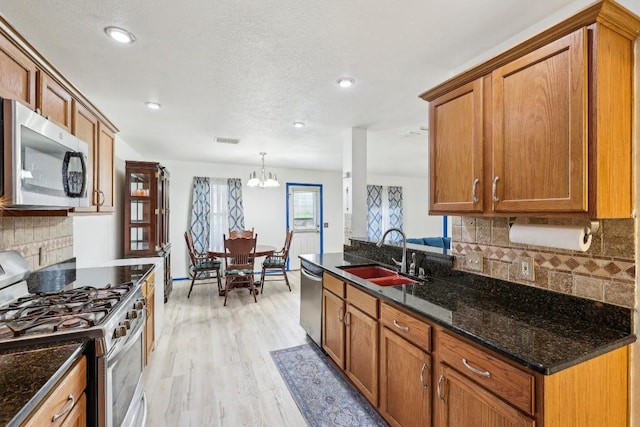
x=116, y=352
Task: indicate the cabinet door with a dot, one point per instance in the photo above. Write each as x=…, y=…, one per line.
x=85, y=126
x=362, y=352
x=54, y=101
x=105, y=169
x=149, y=328
x=141, y=209
x=462, y=402
x=539, y=129
x=405, y=382
x=333, y=327
x=17, y=74
x=456, y=151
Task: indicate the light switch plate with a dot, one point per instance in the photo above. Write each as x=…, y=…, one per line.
x=475, y=261
x=525, y=269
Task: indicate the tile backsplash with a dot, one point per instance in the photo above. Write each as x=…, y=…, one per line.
x=605, y=272
x=28, y=234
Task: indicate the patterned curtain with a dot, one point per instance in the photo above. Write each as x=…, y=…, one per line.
x=374, y=212
x=200, y=213
x=236, y=213
x=395, y=211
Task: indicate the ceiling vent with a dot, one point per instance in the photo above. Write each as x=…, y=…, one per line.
x=226, y=140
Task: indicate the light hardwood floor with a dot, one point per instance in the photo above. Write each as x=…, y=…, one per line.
x=212, y=366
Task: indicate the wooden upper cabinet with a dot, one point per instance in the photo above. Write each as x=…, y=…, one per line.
x=456, y=151
x=17, y=74
x=554, y=122
x=54, y=101
x=105, y=164
x=101, y=140
x=85, y=127
x=539, y=129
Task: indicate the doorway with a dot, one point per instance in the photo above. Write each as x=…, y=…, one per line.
x=304, y=217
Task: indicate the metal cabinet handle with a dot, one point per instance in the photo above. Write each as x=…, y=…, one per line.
x=399, y=326
x=440, y=380
x=72, y=401
x=341, y=314
x=486, y=374
x=347, y=318
x=424, y=367
x=474, y=190
x=494, y=188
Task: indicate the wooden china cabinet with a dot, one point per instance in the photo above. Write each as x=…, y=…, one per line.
x=146, y=215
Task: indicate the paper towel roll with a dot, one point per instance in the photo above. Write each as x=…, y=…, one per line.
x=572, y=237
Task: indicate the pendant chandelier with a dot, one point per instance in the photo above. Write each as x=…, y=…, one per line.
x=263, y=180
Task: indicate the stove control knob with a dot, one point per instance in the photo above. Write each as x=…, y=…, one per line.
x=138, y=305
x=126, y=324
x=132, y=315
x=120, y=332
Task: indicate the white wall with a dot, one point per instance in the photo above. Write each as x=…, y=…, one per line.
x=264, y=209
x=98, y=238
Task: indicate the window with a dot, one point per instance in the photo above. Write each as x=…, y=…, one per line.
x=305, y=209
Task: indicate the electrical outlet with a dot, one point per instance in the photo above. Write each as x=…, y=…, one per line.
x=525, y=269
x=475, y=261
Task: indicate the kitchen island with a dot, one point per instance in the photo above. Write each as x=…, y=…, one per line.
x=516, y=352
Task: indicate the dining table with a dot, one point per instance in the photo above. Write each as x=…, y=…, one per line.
x=261, y=251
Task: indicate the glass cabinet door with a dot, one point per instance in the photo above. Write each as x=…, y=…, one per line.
x=141, y=209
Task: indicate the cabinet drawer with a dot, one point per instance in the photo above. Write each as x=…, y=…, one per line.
x=508, y=382
x=406, y=326
x=59, y=400
x=333, y=284
x=365, y=302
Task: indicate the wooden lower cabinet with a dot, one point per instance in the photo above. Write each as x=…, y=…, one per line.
x=78, y=415
x=461, y=402
x=333, y=327
x=405, y=382
x=350, y=333
x=419, y=374
x=65, y=405
x=361, y=339
x=148, y=290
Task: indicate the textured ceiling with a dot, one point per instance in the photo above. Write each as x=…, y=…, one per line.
x=249, y=69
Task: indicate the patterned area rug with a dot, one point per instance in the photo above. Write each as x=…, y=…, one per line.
x=324, y=396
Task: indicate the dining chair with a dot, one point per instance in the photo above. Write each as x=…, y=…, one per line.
x=238, y=261
x=277, y=263
x=243, y=234
x=201, y=264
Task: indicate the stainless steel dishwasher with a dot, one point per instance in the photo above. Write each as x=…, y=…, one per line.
x=311, y=300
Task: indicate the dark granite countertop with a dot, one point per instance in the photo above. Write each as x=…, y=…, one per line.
x=539, y=329
x=28, y=374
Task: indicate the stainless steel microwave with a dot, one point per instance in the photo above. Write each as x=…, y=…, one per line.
x=43, y=164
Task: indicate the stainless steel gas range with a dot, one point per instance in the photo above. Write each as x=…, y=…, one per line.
x=102, y=305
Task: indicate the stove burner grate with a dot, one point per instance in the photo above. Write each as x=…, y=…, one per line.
x=52, y=312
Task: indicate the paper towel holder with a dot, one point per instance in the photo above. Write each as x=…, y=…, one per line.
x=592, y=228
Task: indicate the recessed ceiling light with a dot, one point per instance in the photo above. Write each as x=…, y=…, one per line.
x=298, y=124
x=345, y=82
x=120, y=35
x=153, y=105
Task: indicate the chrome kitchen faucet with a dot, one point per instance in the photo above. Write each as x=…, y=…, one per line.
x=403, y=263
